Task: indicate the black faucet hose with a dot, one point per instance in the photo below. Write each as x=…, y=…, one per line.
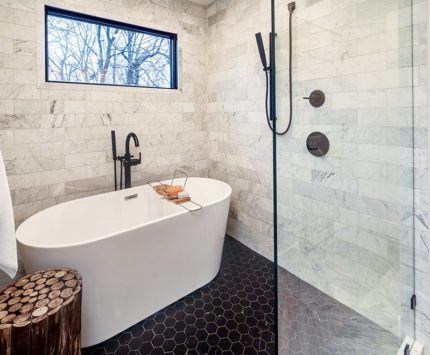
x=114, y=157
x=120, y=175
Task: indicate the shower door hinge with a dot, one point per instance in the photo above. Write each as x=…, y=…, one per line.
x=413, y=301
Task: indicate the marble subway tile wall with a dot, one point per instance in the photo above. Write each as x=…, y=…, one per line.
x=55, y=137
x=421, y=193
x=240, y=143
x=356, y=241
x=345, y=220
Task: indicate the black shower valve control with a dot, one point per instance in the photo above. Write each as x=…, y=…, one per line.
x=318, y=144
x=316, y=98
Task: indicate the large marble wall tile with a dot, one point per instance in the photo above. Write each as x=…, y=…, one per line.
x=345, y=221
x=56, y=137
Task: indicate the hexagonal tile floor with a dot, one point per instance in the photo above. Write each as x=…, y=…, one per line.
x=234, y=314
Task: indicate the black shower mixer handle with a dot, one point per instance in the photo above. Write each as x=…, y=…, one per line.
x=316, y=98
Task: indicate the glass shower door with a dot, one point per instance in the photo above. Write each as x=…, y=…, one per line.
x=345, y=176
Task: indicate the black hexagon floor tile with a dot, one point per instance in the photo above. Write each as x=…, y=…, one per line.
x=233, y=314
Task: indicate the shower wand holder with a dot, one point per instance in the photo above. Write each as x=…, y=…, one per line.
x=291, y=6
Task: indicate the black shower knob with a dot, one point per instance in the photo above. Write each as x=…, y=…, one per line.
x=316, y=99
x=318, y=144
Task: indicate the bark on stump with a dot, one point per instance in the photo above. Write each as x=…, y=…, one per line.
x=41, y=314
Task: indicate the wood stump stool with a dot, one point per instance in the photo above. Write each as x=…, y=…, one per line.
x=41, y=314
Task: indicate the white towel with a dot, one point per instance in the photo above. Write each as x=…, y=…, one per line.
x=8, y=253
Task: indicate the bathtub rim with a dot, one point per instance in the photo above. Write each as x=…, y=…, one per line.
x=122, y=231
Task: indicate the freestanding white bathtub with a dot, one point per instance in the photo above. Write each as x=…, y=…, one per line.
x=136, y=256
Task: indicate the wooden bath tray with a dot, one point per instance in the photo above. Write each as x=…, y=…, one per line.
x=161, y=188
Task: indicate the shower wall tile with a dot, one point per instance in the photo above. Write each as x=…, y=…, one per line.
x=55, y=138
x=345, y=221
x=239, y=143
x=421, y=218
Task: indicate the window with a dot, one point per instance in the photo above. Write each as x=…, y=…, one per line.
x=91, y=50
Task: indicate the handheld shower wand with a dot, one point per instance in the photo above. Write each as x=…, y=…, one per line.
x=262, y=51
x=267, y=68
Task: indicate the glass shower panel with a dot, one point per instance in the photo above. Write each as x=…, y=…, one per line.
x=345, y=219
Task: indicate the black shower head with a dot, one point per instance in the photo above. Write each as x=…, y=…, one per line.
x=261, y=50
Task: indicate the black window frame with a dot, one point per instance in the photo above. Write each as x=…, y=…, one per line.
x=67, y=14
